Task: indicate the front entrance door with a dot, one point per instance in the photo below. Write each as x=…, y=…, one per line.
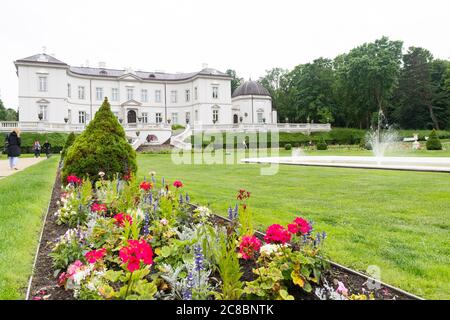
x=131, y=116
x=235, y=119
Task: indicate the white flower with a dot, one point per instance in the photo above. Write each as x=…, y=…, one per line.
x=268, y=249
x=164, y=222
x=101, y=174
x=152, y=173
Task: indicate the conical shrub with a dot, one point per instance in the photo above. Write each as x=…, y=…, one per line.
x=101, y=147
x=433, y=142
x=69, y=141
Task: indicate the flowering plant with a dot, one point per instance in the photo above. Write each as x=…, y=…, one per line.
x=145, y=185
x=99, y=208
x=121, y=218
x=73, y=179
x=249, y=246
x=95, y=255
x=299, y=226
x=135, y=253
x=178, y=184
x=277, y=234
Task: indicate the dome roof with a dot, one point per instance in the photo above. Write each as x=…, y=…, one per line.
x=250, y=88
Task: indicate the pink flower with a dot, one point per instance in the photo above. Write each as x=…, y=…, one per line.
x=277, y=234
x=249, y=246
x=121, y=218
x=178, y=184
x=74, y=267
x=299, y=225
x=164, y=222
x=62, y=279
x=134, y=253
x=95, y=255
x=99, y=208
x=341, y=288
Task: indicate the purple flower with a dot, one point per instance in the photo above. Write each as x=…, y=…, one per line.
x=181, y=198
x=187, y=292
x=230, y=213
x=198, y=254
x=188, y=199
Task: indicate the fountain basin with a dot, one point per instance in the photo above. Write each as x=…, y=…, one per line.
x=434, y=164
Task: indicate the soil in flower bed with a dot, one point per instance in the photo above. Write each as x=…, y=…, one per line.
x=44, y=282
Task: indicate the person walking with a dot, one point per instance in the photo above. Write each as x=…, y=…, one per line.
x=47, y=146
x=37, y=149
x=12, y=143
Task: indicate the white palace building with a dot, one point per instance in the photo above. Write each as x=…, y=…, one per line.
x=57, y=97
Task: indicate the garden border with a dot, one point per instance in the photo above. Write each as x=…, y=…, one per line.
x=346, y=269
x=260, y=234
x=44, y=220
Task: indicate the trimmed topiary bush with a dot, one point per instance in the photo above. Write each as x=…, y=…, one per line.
x=70, y=140
x=287, y=146
x=322, y=145
x=433, y=142
x=101, y=147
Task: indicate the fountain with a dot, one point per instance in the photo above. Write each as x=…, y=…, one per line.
x=381, y=139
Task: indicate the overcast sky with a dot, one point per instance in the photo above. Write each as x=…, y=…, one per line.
x=179, y=35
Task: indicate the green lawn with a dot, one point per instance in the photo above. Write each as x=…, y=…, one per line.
x=396, y=220
x=24, y=198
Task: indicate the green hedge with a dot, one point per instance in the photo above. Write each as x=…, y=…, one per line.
x=337, y=136
x=57, y=140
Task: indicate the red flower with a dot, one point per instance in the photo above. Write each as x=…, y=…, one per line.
x=73, y=179
x=249, y=246
x=277, y=234
x=95, y=255
x=242, y=195
x=96, y=207
x=121, y=218
x=145, y=185
x=178, y=184
x=299, y=225
x=137, y=252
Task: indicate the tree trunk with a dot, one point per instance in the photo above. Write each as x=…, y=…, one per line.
x=433, y=117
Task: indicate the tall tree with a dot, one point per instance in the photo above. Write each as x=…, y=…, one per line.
x=7, y=114
x=278, y=85
x=235, y=81
x=369, y=75
x=315, y=90
x=440, y=90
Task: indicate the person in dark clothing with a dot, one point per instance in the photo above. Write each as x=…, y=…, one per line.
x=47, y=146
x=13, y=142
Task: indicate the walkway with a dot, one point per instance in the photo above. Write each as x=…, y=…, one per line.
x=22, y=164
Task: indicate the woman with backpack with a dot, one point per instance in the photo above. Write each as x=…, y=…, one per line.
x=13, y=148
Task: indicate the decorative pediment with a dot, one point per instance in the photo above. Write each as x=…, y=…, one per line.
x=129, y=76
x=42, y=101
x=215, y=106
x=132, y=103
x=260, y=110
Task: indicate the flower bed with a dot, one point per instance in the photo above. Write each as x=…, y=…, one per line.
x=145, y=240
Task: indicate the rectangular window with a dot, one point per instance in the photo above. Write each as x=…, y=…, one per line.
x=157, y=95
x=99, y=94
x=114, y=94
x=188, y=117
x=43, y=111
x=144, y=117
x=260, y=117
x=69, y=90
x=158, y=118
x=82, y=117
x=69, y=116
x=215, y=116
x=173, y=96
x=130, y=94
x=215, y=92
x=81, y=95
x=195, y=93
x=196, y=115
x=174, y=118
x=144, y=95
x=188, y=95
x=43, y=84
